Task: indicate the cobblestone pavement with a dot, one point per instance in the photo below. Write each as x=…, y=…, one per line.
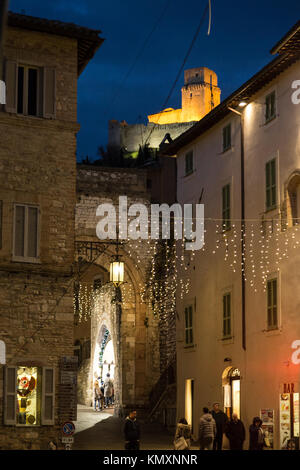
x=102, y=431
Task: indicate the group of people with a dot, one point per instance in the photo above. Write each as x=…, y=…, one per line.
x=213, y=425
x=103, y=393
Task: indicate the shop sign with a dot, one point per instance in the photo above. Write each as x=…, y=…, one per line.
x=67, y=440
x=267, y=417
x=296, y=354
x=289, y=388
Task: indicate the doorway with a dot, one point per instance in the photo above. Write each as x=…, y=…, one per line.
x=231, y=381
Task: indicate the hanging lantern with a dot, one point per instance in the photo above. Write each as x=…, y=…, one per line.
x=117, y=272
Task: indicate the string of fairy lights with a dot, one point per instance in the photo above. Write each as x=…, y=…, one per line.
x=168, y=269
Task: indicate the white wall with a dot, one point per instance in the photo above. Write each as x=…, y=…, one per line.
x=263, y=365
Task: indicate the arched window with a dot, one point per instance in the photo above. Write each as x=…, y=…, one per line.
x=293, y=199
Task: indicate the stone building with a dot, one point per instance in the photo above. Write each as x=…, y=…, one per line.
x=140, y=338
x=38, y=127
x=199, y=95
x=238, y=327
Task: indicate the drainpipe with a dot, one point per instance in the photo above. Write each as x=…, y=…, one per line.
x=243, y=229
x=3, y=19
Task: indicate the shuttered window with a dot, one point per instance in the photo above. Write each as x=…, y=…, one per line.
x=189, y=340
x=30, y=90
x=226, y=207
x=271, y=190
x=270, y=106
x=227, y=315
x=48, y=396
x=10, y=395
x=226, y=137
x=272, y=303
x=26, y=231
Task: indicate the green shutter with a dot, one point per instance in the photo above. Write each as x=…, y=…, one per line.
x=226, y=207
x=271, y=189
x=272, y=303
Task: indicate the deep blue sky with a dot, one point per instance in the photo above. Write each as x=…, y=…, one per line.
x=243, y=32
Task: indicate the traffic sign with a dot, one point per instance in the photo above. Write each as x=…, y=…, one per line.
x=67, y=440
x=68, y=428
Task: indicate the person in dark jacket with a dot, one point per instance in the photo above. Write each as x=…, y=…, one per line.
x=235, y=431
x=221, y=420
x=256, y=441
x=132, y=432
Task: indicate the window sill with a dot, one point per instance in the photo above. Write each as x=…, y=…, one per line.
x=272, y=209
x=227, y=150
x=27, y=425
x=19, y=259
x=186, y=175
x=272, y=331
x=271, y=119
x=227, y=339
x=189, y=347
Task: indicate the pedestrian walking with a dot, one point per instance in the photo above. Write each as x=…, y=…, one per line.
x=108, y=388
x=132, y=432
x=97, y=396
x=235, y=431
x=207, y=430
x=221, y=420
x=256, y=441
x=183, y=435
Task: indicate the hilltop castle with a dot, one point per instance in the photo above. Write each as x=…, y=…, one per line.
x=199, y=95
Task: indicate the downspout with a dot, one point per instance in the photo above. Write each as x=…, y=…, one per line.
x=3, y=20
x=243, y=230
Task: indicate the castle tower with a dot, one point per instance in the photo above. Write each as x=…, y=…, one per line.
x=200, y=93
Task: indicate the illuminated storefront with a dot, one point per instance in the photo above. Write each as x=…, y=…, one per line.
x=289, y=417
x=231, y=381
x=29, y=396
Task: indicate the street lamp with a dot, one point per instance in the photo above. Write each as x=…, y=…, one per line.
x=117, y=267
x=117, y=271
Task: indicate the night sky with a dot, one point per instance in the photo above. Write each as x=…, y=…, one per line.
x=242, y=33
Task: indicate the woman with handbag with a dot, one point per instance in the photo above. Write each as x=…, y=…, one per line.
x=182, y=440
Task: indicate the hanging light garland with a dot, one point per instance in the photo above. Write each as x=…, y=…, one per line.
x=168, y=268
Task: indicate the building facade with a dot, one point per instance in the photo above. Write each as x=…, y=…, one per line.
x=239, y=326
x=38, y=127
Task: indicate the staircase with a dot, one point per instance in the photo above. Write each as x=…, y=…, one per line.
x=162, y=398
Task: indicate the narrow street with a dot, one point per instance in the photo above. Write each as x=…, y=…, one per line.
x=102, y=431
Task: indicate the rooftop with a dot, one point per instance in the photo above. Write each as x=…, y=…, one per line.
x=88, y=39
x=289, y=52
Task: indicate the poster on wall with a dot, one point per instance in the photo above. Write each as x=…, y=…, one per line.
x=267, y=417
x=285, y=419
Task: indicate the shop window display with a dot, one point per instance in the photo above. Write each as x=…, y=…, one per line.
x=28, y=396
